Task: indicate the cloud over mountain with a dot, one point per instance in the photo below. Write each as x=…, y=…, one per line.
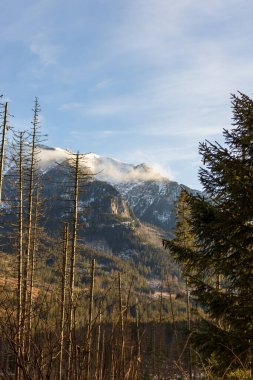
x=103, y=168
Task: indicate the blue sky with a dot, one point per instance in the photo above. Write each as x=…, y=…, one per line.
x=138, y=80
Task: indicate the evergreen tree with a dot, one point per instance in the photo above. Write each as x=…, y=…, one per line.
x=219, y=263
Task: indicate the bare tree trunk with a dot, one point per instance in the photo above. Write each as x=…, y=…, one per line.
x=160, y=331
x=20, y=327
x=138, y=358
x=101, y=370
x=30, y=214
x=2, y=149
x=32, y=267
x=172, y=310
x=96, y=376
x=63, y=295
x=72, y=261
x=189, y=328
x=122, y=347
x=112, y=358
x=74, y=346
x=89, y=330
x=218, y=279
x=161, y=306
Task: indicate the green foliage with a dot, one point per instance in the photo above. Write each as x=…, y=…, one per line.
x=219, y=259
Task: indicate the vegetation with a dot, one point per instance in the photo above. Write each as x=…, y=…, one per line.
x=214, y=242
x=70, y=310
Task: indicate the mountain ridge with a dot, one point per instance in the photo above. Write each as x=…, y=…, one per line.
x=126, y=219
x=103, y=168
x=149, y=194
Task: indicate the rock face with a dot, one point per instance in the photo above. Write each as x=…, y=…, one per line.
x=152, y=202
x=112, y=204
x=123, y=189
x=98, y=201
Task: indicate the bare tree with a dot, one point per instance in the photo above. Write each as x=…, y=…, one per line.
x=2, y=152
x=89, y=330
x=20, y=327
x=35, y=137
x=122, y=333
x=77, y=174
x=63, y=294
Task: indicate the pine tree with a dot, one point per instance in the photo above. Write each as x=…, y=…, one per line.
x=184, y=242
x=219, y=263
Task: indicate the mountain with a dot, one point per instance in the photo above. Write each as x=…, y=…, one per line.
x=148, y=193
x=152, y=201
x=103, y=168
x=124, y=210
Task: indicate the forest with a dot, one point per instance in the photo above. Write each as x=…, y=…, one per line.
x=69, y=311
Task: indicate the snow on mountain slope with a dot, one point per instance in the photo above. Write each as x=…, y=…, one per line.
x=104, y=168
x=151, y=196
x=152, y=201
x=49, y=157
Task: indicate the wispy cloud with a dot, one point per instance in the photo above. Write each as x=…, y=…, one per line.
x=98, y=110
x=107, y=133
x=48, y=53
x=102, y=84
x=152, y=76
x=105, y=109
x=70, y=106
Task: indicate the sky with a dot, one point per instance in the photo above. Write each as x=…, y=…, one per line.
x=137, y=80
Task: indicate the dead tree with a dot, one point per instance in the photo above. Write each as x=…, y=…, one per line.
x=89, y=330
x=122, y=333
x=63, y=295
x=2, y=152
x=34, y=248
x=77, y=173
x=33, y=160
x=98, y=349
x=20, y=327
x=73, y=261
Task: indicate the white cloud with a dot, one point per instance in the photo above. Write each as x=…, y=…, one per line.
x=47, y=53
x=162, y=69
x=29, y=25
x=103, y=84
x=106, y=108
x=152, y=28
x=23, y=21
x=70, y=106
x=183, y=130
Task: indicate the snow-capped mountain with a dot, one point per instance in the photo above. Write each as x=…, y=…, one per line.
x=104, y=168
x=152, y=201
x=151, y=196
x=112, y=205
